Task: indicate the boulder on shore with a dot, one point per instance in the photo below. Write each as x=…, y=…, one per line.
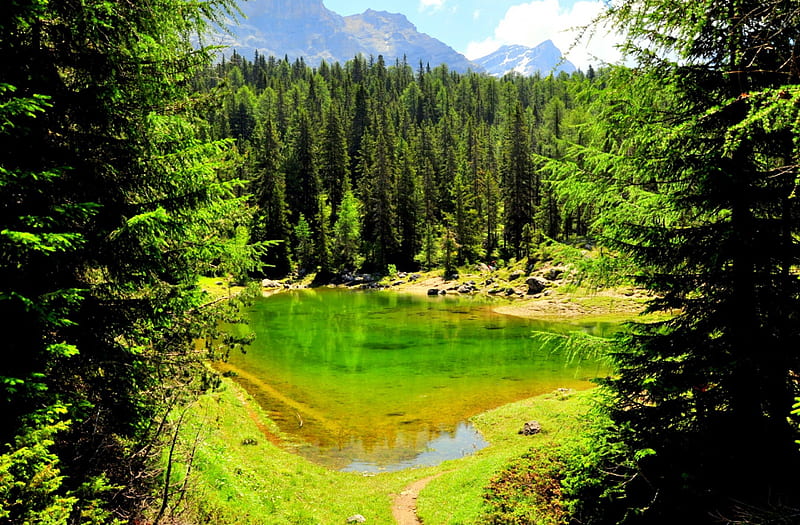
x=530, y=428
x=535, y=285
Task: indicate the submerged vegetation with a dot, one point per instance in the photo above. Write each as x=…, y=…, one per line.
x=131, y=166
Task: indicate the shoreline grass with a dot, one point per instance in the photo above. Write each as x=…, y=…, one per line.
x=240, y=475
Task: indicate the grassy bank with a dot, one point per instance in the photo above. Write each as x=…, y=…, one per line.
x=240, y=475
x=244, y=472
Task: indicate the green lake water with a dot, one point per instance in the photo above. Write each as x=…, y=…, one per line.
x=373, y=381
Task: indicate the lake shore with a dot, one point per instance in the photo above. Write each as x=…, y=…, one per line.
x=243, y=475
x=558, y=300
x=242, y=449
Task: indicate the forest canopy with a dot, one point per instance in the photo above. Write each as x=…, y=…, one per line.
x=132, y=164
x=369, y=164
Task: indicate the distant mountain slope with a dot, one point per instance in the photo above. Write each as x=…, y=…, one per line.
x=393, y=36
x=307, y=29
x=544, y=58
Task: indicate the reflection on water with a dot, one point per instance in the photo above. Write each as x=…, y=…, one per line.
x=379, y=381
x=464, y=441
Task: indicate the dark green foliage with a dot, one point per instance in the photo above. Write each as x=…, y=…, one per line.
x=112, y=205
x=517, y=180
x=271, y=220
x=696, y=169
x=422, y=153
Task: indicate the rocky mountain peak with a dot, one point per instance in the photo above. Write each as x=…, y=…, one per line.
x=544, y=58
x=397, y=20
x=307, y=29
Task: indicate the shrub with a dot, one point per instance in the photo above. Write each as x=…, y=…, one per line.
x=527, y=492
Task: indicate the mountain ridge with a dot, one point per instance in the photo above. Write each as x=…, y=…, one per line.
x=309, y=30
x=543, y=58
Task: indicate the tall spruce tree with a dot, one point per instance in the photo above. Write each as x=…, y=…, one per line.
x=408, y=207
x=271, y=219
x=334, y=159
x=516, y=169
x=301, y=167
x=698, y=178
x=111, y=206
x=380, y=191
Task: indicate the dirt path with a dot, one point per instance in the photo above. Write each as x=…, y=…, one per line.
x=404, y=506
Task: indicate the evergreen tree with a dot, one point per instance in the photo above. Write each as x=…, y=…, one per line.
x=360, y=121
x=304, y=241
x=303, y=184
x=322, y=240
x=347, y=232
x=380, y=192
x=240, y=109
x=334, y=159
x=111, y=207
x=270, y=222
x=465, y=220
x=408, y=207
x=517, y=181
x=698, y=179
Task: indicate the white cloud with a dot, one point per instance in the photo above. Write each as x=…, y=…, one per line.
x=433, y=5
x=476, y=14
x=481, y=49
x=532, y=23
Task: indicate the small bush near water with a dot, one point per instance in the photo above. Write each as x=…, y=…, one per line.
x=527, y=492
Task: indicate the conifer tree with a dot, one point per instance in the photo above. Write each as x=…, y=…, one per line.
x=517, y=180
x=303, y=184
x=322, y=239
x=698, y=180
x=347, y=232
x=271, y=221
x=380, y=192
x=112, y=205
x=334, y=159
x=304, y=242
x=408, y=207
x=465, y=220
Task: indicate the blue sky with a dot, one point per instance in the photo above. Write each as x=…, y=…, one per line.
x=478, y=27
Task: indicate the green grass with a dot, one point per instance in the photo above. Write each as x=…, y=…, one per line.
x=456, y=497
x=240, y=477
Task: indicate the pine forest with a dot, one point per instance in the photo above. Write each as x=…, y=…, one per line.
x=158, y=194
